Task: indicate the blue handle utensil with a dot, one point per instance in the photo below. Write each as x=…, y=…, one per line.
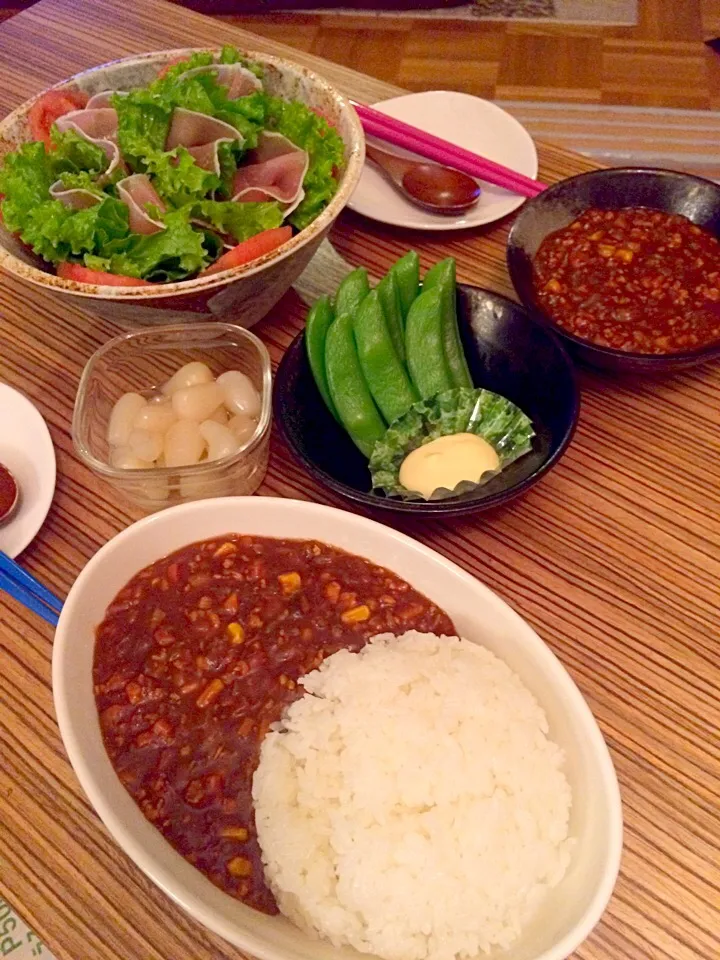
x=27, y=590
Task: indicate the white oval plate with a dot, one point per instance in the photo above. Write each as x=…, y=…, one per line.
x=462, y=119
x=572, y=908
x=27, y=451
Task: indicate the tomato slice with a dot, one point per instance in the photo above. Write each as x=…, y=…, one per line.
x=323, y=116
x=251, y=249
x=81, y=274
x=53, y=104
x=169, y=65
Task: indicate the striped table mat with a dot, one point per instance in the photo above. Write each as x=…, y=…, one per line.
x=687, y=140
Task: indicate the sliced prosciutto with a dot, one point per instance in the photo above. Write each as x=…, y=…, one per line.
x=98, y=125
x=201, y=135
x=103, y=99
x=240, y=81
x=138, y=193
x=274, y=170
x=75, y=198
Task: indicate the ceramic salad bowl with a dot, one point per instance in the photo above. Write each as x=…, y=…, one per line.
x=244, y=293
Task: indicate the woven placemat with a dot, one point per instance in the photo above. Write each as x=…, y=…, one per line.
x=685, y=140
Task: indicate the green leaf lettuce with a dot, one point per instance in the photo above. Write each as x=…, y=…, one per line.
x=460, y=410
x=177, y=177
x=143, y=124
x=238, y=220
x=72, y=153
x=171, y=254
x=54, y=231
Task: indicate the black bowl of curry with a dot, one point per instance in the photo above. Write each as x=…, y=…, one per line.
x=624, y=264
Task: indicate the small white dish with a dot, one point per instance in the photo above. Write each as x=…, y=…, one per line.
x=570, y=911
x=27, y=451
x=462, y=119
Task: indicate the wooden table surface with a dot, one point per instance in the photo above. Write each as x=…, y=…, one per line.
x=614, y=559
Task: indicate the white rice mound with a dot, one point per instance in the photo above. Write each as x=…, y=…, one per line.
x=411, y=804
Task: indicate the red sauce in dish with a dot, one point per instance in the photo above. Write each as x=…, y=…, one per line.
x=634, y=279
x=8, y=492
x=201, y=652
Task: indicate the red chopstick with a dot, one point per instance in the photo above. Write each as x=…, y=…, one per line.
x=404, y=135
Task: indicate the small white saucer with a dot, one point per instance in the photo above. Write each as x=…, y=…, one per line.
x=467, y=121
x=27, y=451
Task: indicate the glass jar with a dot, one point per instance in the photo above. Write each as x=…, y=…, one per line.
x=141, y=362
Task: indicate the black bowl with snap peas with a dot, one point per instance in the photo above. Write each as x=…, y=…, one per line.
x=492, y=343
x=374, y=353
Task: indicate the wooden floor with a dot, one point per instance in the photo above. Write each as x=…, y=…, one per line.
x=661, y=62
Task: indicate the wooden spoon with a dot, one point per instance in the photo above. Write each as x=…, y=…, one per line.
x=428, y=185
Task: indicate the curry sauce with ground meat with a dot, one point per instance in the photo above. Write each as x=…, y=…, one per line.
x=201, y=652
x=634, y=279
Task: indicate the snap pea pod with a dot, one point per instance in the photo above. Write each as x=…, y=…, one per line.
x=390, y=301
x=407, y=276
x=317, y=325
x=384, y=374
x=351, y=292
x=347, y=386
x=442, y=277
x=424, y=334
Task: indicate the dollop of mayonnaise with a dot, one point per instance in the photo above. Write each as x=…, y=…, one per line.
x=447, y=461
